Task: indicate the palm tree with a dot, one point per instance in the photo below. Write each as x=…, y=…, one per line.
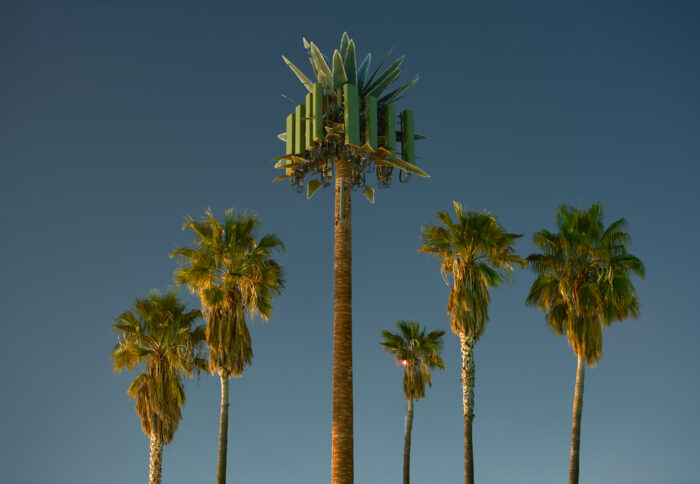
x=478, y=253
x=583, y=283
x=161, y=335
x=346, y=129
x=233, y=273
x=418, y=353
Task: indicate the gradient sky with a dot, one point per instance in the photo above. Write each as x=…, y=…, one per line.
x=118, y=119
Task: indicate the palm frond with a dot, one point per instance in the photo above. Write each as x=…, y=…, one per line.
x=582, y=279
x=160, y=336
x=417, y=353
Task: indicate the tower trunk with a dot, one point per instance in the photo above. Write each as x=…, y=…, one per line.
x=342, y=417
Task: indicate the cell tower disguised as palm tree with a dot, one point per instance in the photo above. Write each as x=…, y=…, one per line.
x=347, y=128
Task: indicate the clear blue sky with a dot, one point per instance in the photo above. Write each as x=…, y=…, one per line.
x=118, y=119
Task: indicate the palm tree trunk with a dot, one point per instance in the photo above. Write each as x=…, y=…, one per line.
x=407, y=443
x=156, y=461
x=342, y=417
x=223, y=430
x=468, y=376
x=576, y=423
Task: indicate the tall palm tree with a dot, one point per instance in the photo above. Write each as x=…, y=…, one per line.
x=418, y=353
x=346, y=129
x=583, y=283
x=233, y=273
x=477, y=252
x=161, y=335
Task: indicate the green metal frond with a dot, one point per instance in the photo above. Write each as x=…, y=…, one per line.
x=339, y=76
x=304, y=80
x=351, y=64
x=369, y=81
x=362, y=71
x=344, y=43
x=312, y=187
x=325, y=76
x=393, y=95
x=368, y=192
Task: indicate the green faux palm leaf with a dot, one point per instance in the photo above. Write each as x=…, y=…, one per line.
x=405, y=166
x=351, y=64
x=391, y=97
x=339, y=76
x=324, y=80
x=304, y=80
x=282, y=136
x=389, y=71
x=386, y=80
x=368, y=192
x=312, y=187
x=325, y=76
x=362, y=71
x=344, y=43
x=369, y=81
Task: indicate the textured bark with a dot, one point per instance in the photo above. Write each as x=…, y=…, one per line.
x=576, y=422
x=342, y=418
x=407, y=444
x=223, y=431
x=156, y=461
x=468, y=376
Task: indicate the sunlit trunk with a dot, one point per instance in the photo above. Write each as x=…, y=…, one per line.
x=576, y=422
x=342, y=417
x=155, y=461
x=468, y=375
x=223, y=431
x=407, y=444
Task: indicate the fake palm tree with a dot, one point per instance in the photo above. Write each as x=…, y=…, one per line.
x=233, y=273
x=347, y=128
x=160, y=336
x=583, y=283
x=417, y=353
x=477, y=252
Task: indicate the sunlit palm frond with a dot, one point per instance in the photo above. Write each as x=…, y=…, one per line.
x=160, y=336
x=583, y=277
x=233, y=273
x=478, y=254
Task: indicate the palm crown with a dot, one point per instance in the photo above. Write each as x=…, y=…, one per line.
x=343, y=69
x=478, y=253
x=418, y=352
x=233, y=273
x=583, y=278
x=161, y=335
x=348, y=114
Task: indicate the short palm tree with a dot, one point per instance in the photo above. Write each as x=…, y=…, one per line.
x=233, y=273
x=418, y=353
x=159, y=335
x=583, y=283
x=478, y=253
